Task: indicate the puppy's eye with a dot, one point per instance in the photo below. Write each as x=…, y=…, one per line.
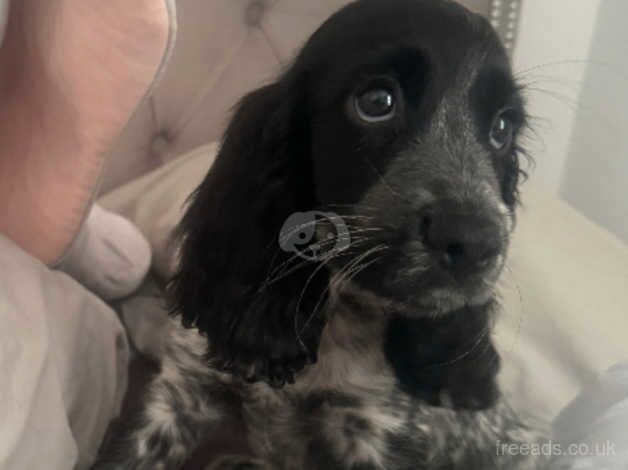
x=375, y=105
x=502, y=131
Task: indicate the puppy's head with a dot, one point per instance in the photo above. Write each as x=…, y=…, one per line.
x=397, y=123
x=414, y=124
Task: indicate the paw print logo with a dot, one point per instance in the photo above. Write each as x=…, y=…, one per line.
x=314, y=235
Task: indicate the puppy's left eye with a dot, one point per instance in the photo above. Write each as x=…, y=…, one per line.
x=502, y=131
x=375, y=105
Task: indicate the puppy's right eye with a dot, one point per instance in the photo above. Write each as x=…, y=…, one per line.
x=375, y=105
x=502, y=131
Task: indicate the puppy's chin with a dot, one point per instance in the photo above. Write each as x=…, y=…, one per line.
x=422, y=287
x=432, y=303
x=426, y=299
x=429, y=293
x=442, y=301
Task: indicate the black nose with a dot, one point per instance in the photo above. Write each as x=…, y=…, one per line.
x=461, y=240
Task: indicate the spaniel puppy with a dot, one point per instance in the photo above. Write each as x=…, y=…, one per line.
x=338, y=263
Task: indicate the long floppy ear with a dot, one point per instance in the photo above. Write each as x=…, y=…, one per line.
x=256, y=303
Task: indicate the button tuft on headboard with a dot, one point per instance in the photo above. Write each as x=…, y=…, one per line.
x=160, y=144
x=255, y=12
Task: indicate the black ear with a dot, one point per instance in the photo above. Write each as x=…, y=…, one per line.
x=255, y=302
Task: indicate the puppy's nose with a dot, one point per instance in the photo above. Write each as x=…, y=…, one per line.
x=461, y=241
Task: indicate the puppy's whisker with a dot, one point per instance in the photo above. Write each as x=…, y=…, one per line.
x=355, y=216
x=284, y=270
x=356, y=205
x=478, y=340
x=358, y=269
x=575, y=105
x=611, y=67
x=323, y=244
x=295, y=230
x=366, y=230
x=298, y=306
x=547, y=65
x=508, y=270
x=277, y=270
x=347, y=269
x=298, y=228
x=299, y=256
x=337, y=279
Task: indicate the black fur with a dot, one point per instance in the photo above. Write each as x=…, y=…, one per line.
x=230, y=234
x=448, y=361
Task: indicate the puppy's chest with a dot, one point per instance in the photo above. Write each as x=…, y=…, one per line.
x=343, y=409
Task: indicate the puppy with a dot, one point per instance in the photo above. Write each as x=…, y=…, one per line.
x=391, y=145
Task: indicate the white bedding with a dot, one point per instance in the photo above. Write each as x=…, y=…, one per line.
x=593, y=430
x=63, y=366
x=565, y=304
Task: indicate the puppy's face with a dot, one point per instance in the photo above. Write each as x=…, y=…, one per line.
x=397, y=124
x=414, y=117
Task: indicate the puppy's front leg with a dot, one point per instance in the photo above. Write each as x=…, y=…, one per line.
x=183, y=403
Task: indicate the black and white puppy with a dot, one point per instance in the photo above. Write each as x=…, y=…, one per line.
x=391, y=145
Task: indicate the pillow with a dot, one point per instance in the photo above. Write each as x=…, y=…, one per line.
x=565, y=303
x=71, y=73
x=155, y=202
x=109, y=255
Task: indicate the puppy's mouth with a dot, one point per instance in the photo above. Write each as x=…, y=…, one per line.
x=417, y=290
x=443, y=291
x=445, y=260
x=440, y=301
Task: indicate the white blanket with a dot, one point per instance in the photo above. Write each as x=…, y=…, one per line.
x=592, y=432
x=63, y=366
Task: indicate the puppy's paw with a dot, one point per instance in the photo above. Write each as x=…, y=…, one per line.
x=480, y=395
x=448, y=362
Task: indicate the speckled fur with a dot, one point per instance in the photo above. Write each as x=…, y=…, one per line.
x=345, y=412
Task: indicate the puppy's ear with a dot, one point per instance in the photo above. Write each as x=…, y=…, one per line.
x=254, y=301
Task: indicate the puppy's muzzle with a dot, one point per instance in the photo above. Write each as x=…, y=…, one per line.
x=460, y=240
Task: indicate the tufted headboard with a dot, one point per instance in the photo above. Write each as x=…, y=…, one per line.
x=224, y=49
